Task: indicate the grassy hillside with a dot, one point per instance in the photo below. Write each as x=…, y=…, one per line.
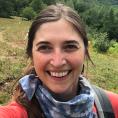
x=12, y=52
x=13, y=60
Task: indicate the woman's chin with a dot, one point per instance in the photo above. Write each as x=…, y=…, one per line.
x=59, y=90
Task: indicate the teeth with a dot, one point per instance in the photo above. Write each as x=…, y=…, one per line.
x=59, y=74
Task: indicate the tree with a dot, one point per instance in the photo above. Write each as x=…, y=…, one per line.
x=37, y=5
x=6, y=8
x=69, y=3
x=49, y=2
x=20, y=4
x=28, y=13
x=110, y=25
x=83, y=5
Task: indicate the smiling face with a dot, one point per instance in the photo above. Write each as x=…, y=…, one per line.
x=58, y=55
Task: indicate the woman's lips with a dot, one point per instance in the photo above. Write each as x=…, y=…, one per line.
x=58, y=75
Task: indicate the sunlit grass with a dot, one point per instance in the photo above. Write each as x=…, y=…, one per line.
x=105, y=72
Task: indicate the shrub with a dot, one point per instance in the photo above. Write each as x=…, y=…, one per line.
x=113, y=47
x=101, y=42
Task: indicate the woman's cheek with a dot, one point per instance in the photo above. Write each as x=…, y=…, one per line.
x=41, y=62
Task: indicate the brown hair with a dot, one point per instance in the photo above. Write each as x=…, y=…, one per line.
x=51, y=13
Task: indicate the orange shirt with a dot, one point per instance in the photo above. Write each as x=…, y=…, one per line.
x=14, y=110
x=114, y=101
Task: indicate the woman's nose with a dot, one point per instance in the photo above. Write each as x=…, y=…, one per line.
x=58, y=59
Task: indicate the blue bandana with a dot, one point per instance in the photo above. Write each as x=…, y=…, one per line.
x=80, y=106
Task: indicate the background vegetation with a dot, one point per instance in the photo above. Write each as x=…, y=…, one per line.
x=101, y=19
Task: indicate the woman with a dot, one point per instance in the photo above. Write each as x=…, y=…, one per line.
x=55, y=87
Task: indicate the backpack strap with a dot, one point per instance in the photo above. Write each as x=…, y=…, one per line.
x=104, y=102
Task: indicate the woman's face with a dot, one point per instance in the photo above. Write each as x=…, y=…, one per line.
x=58, y=56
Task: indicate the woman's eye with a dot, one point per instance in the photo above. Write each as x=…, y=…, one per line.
x=70, y=48
x=44, y=48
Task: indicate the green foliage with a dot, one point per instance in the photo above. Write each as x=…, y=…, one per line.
x=108, y=2
x=101, y=42
x=103, y=19
x=49, y=2
x=6, y=8
x=113, y=47
x=110, y=24
x=82, y=6
x=69, y=3
x=28, y=13
x=37, y=5
x=19, y=5
x=91, y=17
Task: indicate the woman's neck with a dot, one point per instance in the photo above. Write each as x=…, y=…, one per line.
x=63, y=97
x=67, y=95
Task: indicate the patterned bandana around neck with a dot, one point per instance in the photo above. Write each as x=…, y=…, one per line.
x=80, y=106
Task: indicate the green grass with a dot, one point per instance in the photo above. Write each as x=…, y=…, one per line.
x=12, y=52
x=105, y=72
x=12, y=46
x=4, y=98
x=13, y=59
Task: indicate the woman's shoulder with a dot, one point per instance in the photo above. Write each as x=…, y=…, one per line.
x=113, y=97
x=13, y=110
x=108, y=101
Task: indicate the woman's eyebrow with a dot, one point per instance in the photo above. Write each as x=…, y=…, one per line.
x=42, y=43
x=71, y=42
x=65, y=42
